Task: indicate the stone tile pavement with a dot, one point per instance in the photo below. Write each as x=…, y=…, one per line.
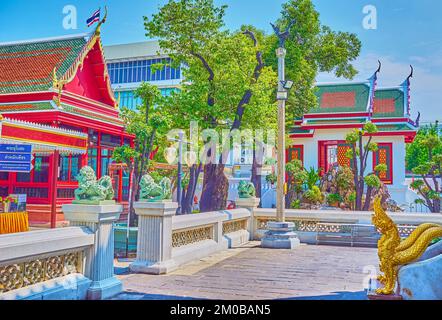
x=250, y=272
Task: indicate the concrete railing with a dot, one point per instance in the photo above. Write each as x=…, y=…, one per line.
x=166, y=241
x=72, y=263
x=308, y=223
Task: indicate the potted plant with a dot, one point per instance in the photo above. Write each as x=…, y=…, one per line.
x=334, y=199
x=271, y=178
x=7, y=203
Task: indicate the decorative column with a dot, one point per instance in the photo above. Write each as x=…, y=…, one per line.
x=100, y=259
x=250, y=204
x=154, y=246
x=280, y=234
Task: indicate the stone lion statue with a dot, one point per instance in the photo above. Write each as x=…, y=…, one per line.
x=246, y=189
x=152, y=191
x=91, y=189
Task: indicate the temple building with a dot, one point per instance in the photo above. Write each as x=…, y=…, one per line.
x=59, y=90
x=318, y=139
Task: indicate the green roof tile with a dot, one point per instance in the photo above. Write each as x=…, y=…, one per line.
x=388, y=103
x=28, y=67
x=20, y=107
x=342, y=98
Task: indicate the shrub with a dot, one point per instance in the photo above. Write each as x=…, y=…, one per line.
x=271, y=178
x=296, y=204
x=314, y=195
x=334, y=198
x=345, y=178
x=312, y=178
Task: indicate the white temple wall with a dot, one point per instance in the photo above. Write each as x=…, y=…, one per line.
x=397, y=190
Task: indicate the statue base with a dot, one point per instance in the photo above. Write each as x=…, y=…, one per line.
x=280, y=235
x=94, y=202
x=373, y=285
x=155, y=201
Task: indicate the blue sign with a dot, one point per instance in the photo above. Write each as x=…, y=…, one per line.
x=16, y=148
x=15, y=167
x=15, y=157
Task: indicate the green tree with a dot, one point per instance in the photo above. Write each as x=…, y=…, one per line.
x=415, y=153
x=148, y=124
x=358, y=154
x=225, y=73
x=232, y=75
x=311, y=48
x=297, y=177
x=428, y=167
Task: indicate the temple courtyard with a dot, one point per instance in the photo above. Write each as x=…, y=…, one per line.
x=250, y=272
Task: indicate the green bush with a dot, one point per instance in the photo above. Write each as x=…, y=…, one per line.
x=296, y=204
x=313, y=177
x=271, y=178
x=334, y=198
x=314, y=195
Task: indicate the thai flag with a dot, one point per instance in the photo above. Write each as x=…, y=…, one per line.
x=94, y=18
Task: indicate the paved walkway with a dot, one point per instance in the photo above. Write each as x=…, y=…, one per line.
x=250, y=272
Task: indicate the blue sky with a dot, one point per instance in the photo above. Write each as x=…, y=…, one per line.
x=408, y=32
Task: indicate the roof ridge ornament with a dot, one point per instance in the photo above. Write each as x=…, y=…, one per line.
x=407, y=97
x=98, y=28
x=373, y=83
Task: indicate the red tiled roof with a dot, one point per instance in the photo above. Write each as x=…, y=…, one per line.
x=28, y=67
x=338, y=99
x=384, y=106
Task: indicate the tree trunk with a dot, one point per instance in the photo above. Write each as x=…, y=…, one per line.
x=216, y=184
x=258, y=156
x=367, y=199
x=215, y=188
x=189, y=194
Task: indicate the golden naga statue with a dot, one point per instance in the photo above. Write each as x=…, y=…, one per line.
x=393, y=252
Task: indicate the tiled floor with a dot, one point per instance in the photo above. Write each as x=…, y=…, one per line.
x=250, y=272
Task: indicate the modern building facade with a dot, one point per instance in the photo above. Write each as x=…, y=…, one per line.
x=133, y=63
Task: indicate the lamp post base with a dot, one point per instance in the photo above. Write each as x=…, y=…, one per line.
x=280, y=235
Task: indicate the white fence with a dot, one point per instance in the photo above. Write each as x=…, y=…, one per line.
x=166, y=241
x=73, y=263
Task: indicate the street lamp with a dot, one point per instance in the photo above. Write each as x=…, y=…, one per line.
x=280, y=234
x=170, y=155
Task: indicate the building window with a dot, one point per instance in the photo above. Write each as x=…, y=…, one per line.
x=140, y=70
x=295, y=152
x=106, y=161
x=39, y=174
x=384, y=155
x=70, y=166
x=92, y=155
x=332, y=153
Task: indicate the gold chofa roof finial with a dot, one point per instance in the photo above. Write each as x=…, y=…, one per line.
x=98, y=29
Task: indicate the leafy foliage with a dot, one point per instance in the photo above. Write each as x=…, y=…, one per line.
x=334, y=198
x=313, y=177
x=428, y=165
x=314, y=195
x=358, y=155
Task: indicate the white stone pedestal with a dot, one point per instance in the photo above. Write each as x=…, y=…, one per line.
x=100, y=260
x=154, y=246
x=280, y=235
x=251, y=204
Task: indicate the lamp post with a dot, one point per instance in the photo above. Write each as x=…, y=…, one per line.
x=189, y=162
x=280, y=234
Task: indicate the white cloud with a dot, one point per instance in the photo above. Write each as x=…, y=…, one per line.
x=426, y=84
